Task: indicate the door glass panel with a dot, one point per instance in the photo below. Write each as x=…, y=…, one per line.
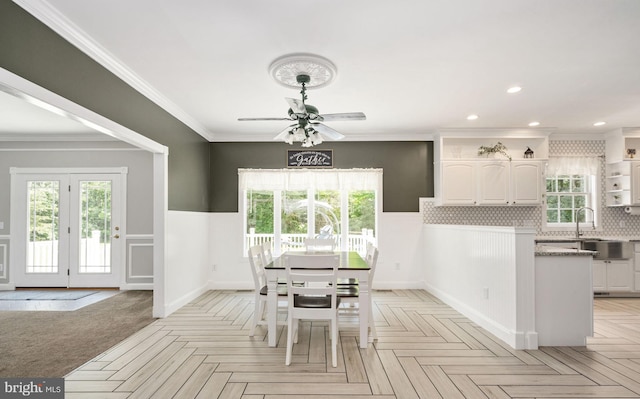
x=43, y=226
x=95, y=227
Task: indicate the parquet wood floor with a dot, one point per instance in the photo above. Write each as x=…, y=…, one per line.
x=425, y=350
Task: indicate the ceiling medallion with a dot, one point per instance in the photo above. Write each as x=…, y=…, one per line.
x=287, y=68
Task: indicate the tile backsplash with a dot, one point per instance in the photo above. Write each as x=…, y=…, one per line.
x=615, y=222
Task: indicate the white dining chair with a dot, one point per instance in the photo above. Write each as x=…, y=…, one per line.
x=319, y=244
x=349, y=293
x=256, y=261
x=316, y=299
x=267, y=251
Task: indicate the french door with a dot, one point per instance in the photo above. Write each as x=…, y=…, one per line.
x=68, y=229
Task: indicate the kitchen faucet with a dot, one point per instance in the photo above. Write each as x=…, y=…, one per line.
x=593, y=219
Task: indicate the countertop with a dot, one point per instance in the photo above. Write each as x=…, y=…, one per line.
x=552, y=239
x=547, y=250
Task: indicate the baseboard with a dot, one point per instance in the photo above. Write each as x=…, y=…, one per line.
x=515, y=339
x=183, y=300
x=7, y=287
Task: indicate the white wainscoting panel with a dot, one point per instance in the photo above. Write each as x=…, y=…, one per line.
x=187, y=258
x=487, y=274
x=139, y=271
x=4, y=259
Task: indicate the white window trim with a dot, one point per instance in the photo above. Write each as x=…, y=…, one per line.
x=311, y=180
x=597, y=207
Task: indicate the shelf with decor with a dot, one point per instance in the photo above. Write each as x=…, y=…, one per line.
x=623, y=145
x=618, y=184
x=517, y=145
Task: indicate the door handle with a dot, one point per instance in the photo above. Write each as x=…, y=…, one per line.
x=116, y=236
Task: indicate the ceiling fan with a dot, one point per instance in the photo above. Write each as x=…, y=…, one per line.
x=307, y=128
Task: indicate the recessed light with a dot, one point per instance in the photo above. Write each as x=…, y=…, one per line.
x=472, y=117
x=599, y=123
x=514, y=89
x=532, y=124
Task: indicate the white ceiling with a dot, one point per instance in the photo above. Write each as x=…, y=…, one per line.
x=21, y=120
x=412, y=66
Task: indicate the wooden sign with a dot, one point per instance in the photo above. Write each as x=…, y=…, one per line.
x=310, y=158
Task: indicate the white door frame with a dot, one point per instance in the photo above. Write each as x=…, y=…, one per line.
x=118, y=233
x=18, y=243
x=22, y=88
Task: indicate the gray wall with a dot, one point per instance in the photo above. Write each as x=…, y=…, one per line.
x=139, y=178
x=407, y=168
x=31, y=50
x=139, y=216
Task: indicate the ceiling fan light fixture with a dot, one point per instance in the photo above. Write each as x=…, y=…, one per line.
x=316, y=138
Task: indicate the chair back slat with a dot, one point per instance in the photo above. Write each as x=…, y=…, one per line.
x=267, y=251
x=372, y=260
x=314, y=275
x=256, y=262
x=319, y=244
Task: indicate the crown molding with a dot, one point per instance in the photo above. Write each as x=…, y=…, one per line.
x=51, y=17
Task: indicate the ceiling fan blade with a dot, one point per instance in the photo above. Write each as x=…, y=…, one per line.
x=264, y=119
x=345, y=116
x=296, y=106
x=327, y=132
x=283, y=134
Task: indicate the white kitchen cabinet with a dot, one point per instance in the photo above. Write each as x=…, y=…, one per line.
x=623, y=169
x=599, y=276
x=612, y=276
x=468, y=182
x=465, y=178
x=493, y=183
x=618, y=184
x=527, y=183
x=637, y=267
x=458, y=183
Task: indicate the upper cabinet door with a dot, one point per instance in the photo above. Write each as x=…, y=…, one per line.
x=526, y=183
x=458, y=183
x=493, y=183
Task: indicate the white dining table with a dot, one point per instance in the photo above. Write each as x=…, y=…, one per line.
x=351, y=266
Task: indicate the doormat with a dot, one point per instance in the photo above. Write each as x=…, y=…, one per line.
x=52, y=300
x=44, y=295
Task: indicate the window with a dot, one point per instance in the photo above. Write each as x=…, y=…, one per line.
x=568, y=192
x=287, y=206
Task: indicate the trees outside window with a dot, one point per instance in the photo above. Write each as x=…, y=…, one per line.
x=565, y=195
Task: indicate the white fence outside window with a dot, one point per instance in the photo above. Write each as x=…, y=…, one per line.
x=356, y=242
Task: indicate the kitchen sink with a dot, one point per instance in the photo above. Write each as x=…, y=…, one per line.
x=608, y=249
